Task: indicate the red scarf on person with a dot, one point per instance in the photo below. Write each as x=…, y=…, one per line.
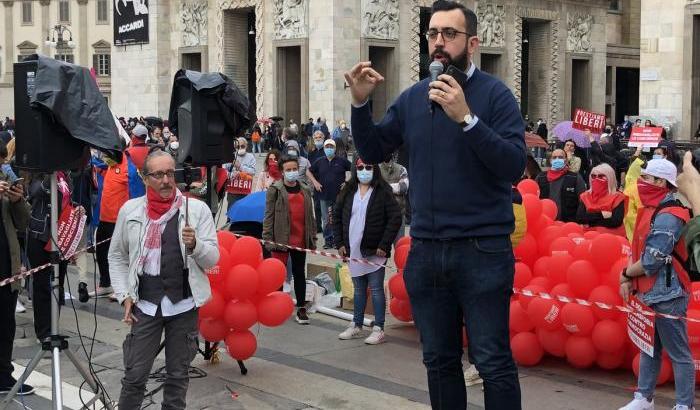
x=598, y=198
x=273, y=170
x=156, y=205
x=649, y=194
x=553, y=175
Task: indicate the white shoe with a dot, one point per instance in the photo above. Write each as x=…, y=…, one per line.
x=682, y=407
x=471, y=376
x=20, y=307
x=352, y=332
x=639, y=403
x=101, y=292
x=376, y=337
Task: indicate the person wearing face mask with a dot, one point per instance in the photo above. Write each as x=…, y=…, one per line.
x=562, y=186
x=289, y=219
x=366, y=219
x=173, y=145
x=602, y=206
x=304, y=164
x=328, y=174
x=270, y=172
x=316, y=153
x=658, y=275
x=242, y=168
x=397, y=177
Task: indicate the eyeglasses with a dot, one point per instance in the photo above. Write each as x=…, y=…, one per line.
x=448, y=34
x=159, y=175
x=598, y=176
x=365, y=167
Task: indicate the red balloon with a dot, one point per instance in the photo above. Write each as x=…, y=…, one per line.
x=590, y=235
x=241, y=282
x=610, y=361
x=213, y=330
x=533, y=208
x=546, y=237
x=582, y=250
x=214, y=308
x=664, y=373
x=541, y=267
x=580, y=352
x=246, y=251
x=522, y=275
x=577, y=319
x=558, y=266
x=226, y=239
x=562, y=244
x=549, y=208
x=271, y=275
x=543, y=282
x=553, y=341
x=542, y=222
x=241, y=344
x=240, y=314
x=608, y=336
x=572, y=227
x=604, y=294
x=612, y=277
x=525, y=300
x=404, y=240
x=545, y=313
x=397, y=287
x=563, y=289
x=519, y=320
x=401, y=309
x=693, y=327
x=275, y=308
x=401, y=255
x=217, y=272
x=607, y=250
x=527, y=350
x=582, y=278
x=526, y=251
x=528, y=186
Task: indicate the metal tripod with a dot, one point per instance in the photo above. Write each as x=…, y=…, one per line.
x=56, y=343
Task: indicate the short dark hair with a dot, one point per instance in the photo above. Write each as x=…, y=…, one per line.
x=470, y=18
x=285, y=159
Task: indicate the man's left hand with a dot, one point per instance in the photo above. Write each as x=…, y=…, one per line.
x=188, y=237
x=448, y=93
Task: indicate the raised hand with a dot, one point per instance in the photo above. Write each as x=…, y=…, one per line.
x=362, y=79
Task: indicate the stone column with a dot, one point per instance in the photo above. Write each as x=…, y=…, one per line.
x=45, y=24
x=83, y=34
x=9, y=40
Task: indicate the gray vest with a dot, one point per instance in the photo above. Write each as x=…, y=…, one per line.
x=172, y=280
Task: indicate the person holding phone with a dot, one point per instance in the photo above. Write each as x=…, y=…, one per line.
x=460, y=267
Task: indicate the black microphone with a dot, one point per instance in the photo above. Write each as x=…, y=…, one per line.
x=436, y=68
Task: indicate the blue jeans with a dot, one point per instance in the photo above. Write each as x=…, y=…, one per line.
x=327, y=230
x=257, y=147
x=375, y=281
x=672, y=336
x=467, y=280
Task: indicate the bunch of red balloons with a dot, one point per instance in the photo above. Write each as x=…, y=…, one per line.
x=566, y=259
x=399, y=305
x=244, y=292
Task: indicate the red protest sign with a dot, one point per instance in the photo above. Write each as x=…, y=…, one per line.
x=585, y=120
x=640, y=326
x=241, y=183
x=646, y=136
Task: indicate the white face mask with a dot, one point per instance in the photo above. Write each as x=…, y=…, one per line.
x=241, y=151
x=174, y=145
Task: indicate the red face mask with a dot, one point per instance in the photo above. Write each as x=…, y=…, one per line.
x=650, y=194
x=599, y=188
x=273, y=170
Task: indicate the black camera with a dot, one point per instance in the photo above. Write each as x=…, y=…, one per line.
x=187, y=175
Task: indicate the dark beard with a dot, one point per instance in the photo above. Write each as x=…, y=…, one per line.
x=461, y=62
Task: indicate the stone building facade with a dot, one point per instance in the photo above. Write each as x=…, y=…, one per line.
x=290, y=55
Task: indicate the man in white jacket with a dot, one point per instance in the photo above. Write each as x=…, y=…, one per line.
x=159, y=252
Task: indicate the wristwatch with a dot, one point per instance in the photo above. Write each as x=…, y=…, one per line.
x=467, y=120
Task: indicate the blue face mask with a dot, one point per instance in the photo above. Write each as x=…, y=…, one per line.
x=329, y=152
x=365, y=176
x=318, y=144
x=291, y=176
x=657, y=156
x=558, y=164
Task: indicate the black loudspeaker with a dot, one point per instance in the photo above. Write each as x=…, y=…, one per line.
x=205, y=138
x=42, y=144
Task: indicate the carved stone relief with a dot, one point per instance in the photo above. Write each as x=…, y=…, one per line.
x=380, y=19
x=491, y=19
x=193, y=17
x=290, y=19
x=579, y=28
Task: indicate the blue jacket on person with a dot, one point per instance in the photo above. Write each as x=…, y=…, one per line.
x=461, y=180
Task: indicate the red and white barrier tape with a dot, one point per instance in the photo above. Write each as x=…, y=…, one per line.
x=30, y=272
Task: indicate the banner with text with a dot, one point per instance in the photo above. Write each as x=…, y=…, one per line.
x=130, y=22
x=646, y=136
x=640, y=327
x=584, y=120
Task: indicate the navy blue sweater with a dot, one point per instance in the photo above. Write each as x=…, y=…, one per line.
x=460, y=181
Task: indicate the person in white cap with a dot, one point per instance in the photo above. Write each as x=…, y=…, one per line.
x=661, y=281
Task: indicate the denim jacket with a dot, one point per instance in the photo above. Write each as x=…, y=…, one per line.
x=663, y=237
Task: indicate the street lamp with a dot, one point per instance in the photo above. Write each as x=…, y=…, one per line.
x=56, y=37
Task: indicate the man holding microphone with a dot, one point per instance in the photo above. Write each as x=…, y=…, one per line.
x=460, y=268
